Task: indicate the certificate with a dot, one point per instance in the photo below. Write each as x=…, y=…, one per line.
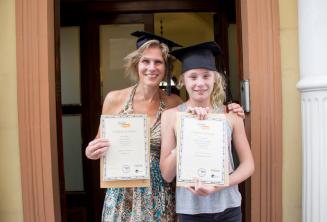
x=202, y=150
x=126, y=163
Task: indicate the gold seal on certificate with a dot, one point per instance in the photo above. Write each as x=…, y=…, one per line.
x=202, y=150
x=126, y=163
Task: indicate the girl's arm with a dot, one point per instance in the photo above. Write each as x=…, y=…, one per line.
x=246, y=166
x=168, y=144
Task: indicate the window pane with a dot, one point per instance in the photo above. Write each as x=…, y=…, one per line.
x=73, y=164
x=70, y=64
x=115, y=43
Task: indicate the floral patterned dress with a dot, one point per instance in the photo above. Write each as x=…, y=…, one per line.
x=143, y=204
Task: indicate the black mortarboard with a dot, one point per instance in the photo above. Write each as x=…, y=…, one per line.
x=145, y=36
x=198, y=56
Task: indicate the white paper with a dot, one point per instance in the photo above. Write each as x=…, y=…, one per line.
x=202, y=148
x=128, y=155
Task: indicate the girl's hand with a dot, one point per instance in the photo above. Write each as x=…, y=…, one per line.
x=203, y=190
x=97, y=148
x=200, y=112
x=236, y=108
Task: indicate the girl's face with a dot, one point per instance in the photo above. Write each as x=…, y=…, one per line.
x=199, y=84
x=151, y=67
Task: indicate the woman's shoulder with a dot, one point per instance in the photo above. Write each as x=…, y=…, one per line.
x=117, y=95
x=115, y=99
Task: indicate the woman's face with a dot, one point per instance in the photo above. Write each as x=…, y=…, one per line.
x=199, y=83
x=151, y=67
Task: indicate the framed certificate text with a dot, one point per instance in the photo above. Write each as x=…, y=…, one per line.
x=202, y=150
x=126, y=163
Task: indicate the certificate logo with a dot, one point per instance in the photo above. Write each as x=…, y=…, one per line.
x=126, y=168
x=204, y=126
x=124, y=124
x=201, y=172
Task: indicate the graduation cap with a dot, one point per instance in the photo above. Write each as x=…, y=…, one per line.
x=198, y=56
x=143, y=37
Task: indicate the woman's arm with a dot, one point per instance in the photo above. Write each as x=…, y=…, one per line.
x=99, y=146
x=168, y=144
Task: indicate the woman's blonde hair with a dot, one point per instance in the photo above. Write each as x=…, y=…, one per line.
x=132, y=60
x=218, y=95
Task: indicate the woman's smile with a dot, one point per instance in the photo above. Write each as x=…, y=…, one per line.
x=152, y=75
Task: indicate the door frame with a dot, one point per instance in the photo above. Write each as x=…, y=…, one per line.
x=35, y=47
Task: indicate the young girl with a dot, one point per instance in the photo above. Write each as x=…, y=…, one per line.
x=206, y=94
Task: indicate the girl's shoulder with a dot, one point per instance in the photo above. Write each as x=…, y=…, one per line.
x=172, y=100
x=169, y=115
x=233, y=118
x=171, y=111
x=168, y=118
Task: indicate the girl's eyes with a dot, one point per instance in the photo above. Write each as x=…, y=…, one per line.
x=195, y=77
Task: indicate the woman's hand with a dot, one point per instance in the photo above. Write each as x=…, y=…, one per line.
x=200, y=112
x=236, y=108
x=203, y=190
x=97, y=148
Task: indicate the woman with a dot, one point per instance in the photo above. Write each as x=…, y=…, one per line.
x=148, y=65
x=205, y=89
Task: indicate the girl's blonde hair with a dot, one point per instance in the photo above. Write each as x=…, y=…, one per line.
x=132, y=60
x=218, y=95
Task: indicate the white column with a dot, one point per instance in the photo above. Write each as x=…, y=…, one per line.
x=313, y=89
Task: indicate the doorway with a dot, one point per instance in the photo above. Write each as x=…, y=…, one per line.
x=36, y=61
x=94, y=38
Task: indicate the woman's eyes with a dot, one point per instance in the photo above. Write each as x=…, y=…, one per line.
x=156, y=62
x=145, y=61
